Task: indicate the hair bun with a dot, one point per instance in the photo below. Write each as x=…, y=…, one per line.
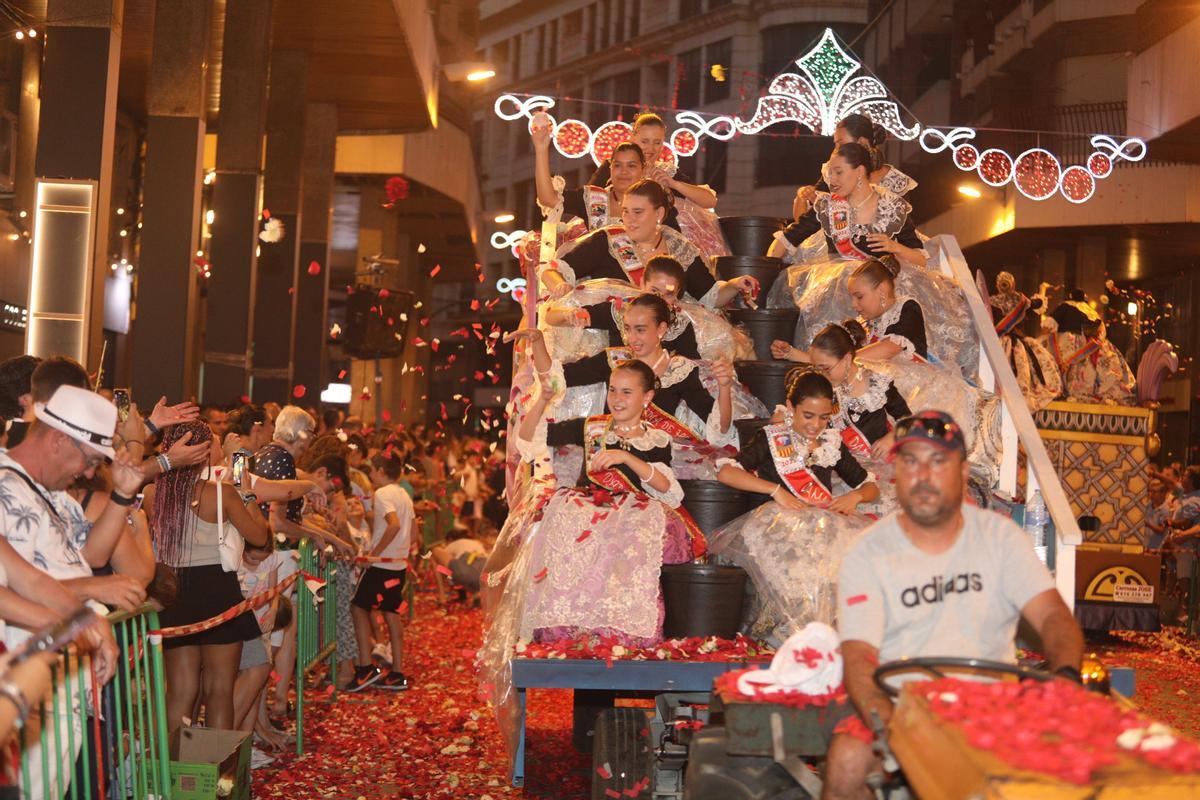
x=891, y=264
x=879, y=134
x=858, y=334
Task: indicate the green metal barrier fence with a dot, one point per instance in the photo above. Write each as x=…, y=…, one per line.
x=316, y=626
x=126, y=754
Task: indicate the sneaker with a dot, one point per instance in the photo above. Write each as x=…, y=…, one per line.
x=259, y=759
x=364, y=677
x=382, y=652
x=393, y=681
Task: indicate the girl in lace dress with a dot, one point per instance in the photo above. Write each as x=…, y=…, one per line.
x=622, y=251
x=860, y=130
x=858, y=223
x=792, y=546
x=596, y=310
x=585, y=560
x=1035, y=368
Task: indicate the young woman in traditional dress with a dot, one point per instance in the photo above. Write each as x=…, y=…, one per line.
x=860, y=130
x=860, y=223
x=1035, y=368
x=792, y=547
x=1093, y=370
x=622, y=251
x=597, y=306
x=694, y=202
x=703, y=415
x=585, y=560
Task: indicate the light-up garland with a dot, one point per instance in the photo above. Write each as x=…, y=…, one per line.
x=513, y=286
x=825, y=93
x=1036, y=173
x=575, y=139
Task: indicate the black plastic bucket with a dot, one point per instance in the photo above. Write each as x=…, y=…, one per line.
x=712, y=503
x=765, y=325
x=765, y=379
x=747, y=428
x=702, y=600
x=764, y=270
x=750, y=236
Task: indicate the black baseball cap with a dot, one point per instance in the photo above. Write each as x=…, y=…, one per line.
x=936, y=427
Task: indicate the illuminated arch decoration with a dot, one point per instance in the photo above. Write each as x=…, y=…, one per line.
x=575, y=139
x=824, y=93
x=1036, y=173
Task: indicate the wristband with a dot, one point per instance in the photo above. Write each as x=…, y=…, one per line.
x=164, y=463
x=151, y=427
x=15, y=696
x=121, y=500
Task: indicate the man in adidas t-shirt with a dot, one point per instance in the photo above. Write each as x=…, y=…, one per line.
x=937, y=578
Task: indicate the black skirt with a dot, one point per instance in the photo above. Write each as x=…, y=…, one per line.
x=206, y=592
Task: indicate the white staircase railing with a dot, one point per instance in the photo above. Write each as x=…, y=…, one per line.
x=1017, y=425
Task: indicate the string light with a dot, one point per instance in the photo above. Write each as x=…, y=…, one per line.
x=1037, y=173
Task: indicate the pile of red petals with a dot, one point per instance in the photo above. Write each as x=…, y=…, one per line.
x=437, y=740
x=727, y=685
x=608, y=648
x=1056, y=727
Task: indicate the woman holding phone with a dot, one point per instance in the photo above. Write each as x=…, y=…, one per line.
x=187, y=531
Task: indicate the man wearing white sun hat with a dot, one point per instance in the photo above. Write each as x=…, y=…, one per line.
x=71, y=436
x=41, y=557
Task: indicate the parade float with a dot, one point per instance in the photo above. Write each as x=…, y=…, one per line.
x=1087, y=460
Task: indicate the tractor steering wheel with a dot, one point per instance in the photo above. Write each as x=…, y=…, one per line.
x=934, y=666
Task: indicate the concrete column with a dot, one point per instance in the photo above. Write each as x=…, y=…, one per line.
x=275, y=274
x=165, y=331
x=316, y=212
x=75, y=133
x=228, y=348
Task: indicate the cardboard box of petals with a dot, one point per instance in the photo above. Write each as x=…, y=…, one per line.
x=1007, y=740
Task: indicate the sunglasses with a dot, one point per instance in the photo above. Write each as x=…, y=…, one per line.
x=92, y=461
x=928, y=428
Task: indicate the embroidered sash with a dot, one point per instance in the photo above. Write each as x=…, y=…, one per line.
x=596, y=429
x=841, y=229
x=626, y=254
x=1091, y=349
x=595, y=203
x=1012, y=318
x=789, y=463
x=856, y=442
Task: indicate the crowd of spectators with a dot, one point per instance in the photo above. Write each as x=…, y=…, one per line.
x=192, y=508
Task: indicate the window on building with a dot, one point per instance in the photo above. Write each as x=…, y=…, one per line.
x=590, y=25
x=715, y=4
x=621, y=10
x=635, y=18
x=516, y=57
x=789, y=155
x=716, y=156
x=598, y=110
x=626, y=94
x=781, y=44
x=690, y=8
x=605, y=21
x=573, y=23
x=687, y=78
x=717, y=56
x=525, y=205
x=540, y=56
x=552, y=44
